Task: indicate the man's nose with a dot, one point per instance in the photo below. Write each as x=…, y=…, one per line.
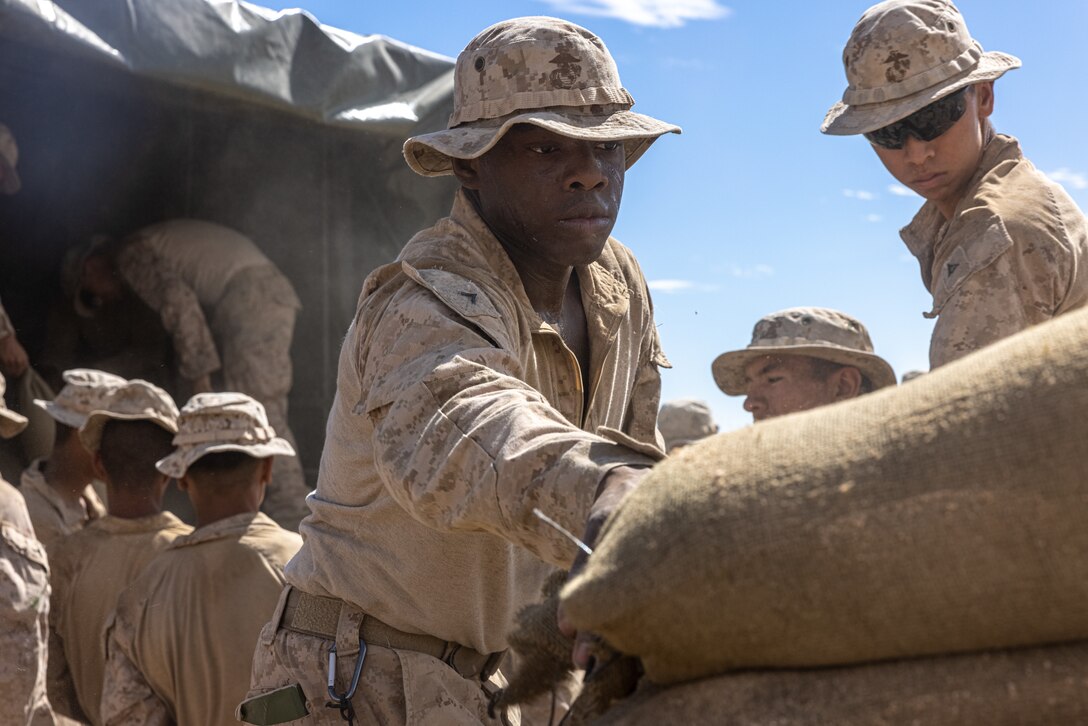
x=587, y=168
x=918, y=151
x=754, y=405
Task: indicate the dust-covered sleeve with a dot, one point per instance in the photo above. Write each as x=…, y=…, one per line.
x=996, y=284
x=163, y=291
x=460, y=441
x=24, y=600
x=127, y=698
x=641, y=420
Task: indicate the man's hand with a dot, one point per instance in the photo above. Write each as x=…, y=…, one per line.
x=202, y=384
x=13, y=358
x=616, y=485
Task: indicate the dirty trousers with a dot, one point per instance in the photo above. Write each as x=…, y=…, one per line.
x=397, y=687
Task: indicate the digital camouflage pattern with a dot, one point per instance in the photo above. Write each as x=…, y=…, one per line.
x=459, y=410
x=85, y=390
x=537, y=70
x=11, y=423
x=230, y=309
x=135, y=401
x=24, y=610
x=903, y=55
x=92, y=567
x=181, y=641
x=255, y=323
x=212, y=423
x=815, y=332
x=683, y=421
x=1012, y=256
x=53, y=516
x=397, y=687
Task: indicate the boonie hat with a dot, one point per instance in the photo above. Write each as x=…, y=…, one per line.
x=535, y=70
x=684, y=421
x=815, y=332
x=214, y=422
x=902, y=56
x=137, y=400
x=9, y=157
x=11, y=423
x=85, y=390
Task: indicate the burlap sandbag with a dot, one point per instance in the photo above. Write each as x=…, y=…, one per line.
x=1035, y=686
x=948, y=515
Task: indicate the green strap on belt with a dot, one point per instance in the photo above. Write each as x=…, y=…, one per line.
x=278, y=706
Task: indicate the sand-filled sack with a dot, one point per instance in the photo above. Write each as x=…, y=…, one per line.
x=1028, y=687
x=948, y=515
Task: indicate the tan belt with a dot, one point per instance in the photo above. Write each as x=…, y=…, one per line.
x=315, y=615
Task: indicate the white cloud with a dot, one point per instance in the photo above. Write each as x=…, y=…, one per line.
x=671, y=287
x=653, y=13
x=858, y=194
x=873, y=218
x=1068, y=177
x=900, y=190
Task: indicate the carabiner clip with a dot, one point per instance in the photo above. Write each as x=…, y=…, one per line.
x=343, y=701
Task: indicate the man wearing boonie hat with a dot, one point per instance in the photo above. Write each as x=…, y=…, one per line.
x=683, y=422
x=194, y=615
x=58, y=490
x=799, y=359
x=1001, y=247
x=226, y=307
x=508, y=360
x=24, y=601
x=131, y=431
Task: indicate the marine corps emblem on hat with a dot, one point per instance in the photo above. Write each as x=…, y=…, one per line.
x=902, y=56
x=536, y=70
x=85, y=390
x=137, y=400
x=216, y=422
x=815, y=332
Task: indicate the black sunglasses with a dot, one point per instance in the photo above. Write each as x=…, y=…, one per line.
x=926, y=124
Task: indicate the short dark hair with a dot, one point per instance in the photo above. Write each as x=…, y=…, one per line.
x=129, y=450
x=822, y=369
x=61, y=433
x=224, y=468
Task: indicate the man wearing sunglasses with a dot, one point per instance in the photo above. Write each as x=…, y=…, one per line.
x=1001, y=247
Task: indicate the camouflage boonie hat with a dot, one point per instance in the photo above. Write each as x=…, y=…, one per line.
x=11, y=423
x=137, y=400
x=85, y=390
x=9, y=157
x=685, y=421
x=214, y=422
x=536, y=70
x=815, y=332
x=902, y=56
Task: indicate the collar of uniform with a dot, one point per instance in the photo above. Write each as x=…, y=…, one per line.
x=33, y=479
x=604, y=293
x=234, y=526
x=150, y=523
x=924, y=234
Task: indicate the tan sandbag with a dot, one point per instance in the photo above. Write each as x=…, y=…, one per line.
x=944, y=516
x=1035, y=686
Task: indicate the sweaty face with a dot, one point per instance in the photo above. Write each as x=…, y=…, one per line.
x=781, y=384
x=940, y=170
x=550, y=199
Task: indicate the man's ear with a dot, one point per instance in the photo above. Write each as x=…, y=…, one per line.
x=99, y=469
x=266, y=469
x=183, y=483
x=847, y=383
x=467, y=172
x=984, y=94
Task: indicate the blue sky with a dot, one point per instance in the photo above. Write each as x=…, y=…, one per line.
x=752, y=210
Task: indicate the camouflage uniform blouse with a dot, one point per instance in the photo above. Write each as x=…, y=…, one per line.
x=1012, y=256
x=458, y=410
